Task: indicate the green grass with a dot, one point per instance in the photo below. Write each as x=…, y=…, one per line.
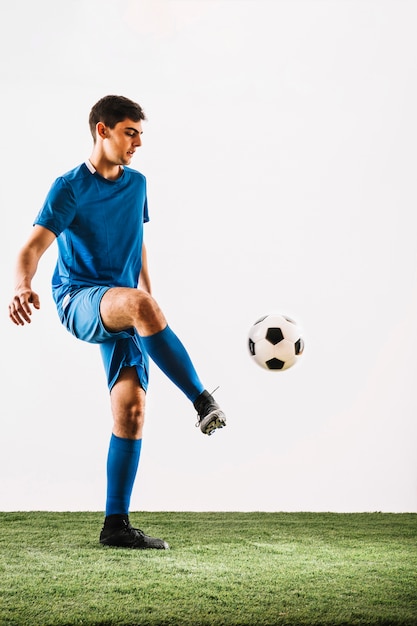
x=249, y=569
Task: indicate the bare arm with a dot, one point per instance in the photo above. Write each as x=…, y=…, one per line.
x=26, y=266
x=144, y=278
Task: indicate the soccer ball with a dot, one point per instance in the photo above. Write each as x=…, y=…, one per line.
x=275, y=342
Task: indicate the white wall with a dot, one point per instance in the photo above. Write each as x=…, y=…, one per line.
x=280, y=154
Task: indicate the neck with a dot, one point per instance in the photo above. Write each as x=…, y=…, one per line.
x=108, y=170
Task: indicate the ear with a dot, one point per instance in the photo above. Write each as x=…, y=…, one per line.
x=101, y=130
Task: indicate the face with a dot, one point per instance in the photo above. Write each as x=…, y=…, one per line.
x=119, y=143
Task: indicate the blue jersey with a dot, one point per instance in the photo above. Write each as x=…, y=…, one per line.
x=99, y=226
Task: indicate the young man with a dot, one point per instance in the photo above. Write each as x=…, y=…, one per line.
x=102, y=291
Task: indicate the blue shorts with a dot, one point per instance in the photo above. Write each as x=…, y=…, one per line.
x=81, y=317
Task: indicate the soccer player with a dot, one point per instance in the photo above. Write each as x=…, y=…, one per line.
x=102, y=290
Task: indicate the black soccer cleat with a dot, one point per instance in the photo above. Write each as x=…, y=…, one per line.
x=121, y=534
x=210, y=415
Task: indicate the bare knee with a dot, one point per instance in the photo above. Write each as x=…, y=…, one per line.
x=128, y=405
x=149, y=318
x=129, y=423
x=122, y=308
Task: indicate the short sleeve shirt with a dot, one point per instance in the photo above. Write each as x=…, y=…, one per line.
x=99, y=228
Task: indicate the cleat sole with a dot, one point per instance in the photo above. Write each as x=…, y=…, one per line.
x=212, y=422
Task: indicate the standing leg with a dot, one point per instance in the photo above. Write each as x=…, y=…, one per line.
x=128, y=408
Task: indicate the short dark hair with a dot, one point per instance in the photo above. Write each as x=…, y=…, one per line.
x=113, y=109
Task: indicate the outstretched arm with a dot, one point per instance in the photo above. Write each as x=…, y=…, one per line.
x=26, y=266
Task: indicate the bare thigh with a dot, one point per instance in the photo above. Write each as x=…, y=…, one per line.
x=124, y=307
x=128, y=405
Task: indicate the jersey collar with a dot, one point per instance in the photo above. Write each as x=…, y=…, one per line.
x=90, y=166
x=92, y=169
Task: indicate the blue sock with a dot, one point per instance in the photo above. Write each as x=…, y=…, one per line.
x=122, y=465
x=172, y=358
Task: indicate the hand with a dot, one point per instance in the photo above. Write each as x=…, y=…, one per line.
x=20, y=307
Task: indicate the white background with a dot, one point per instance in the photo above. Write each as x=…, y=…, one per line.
x=280, y=153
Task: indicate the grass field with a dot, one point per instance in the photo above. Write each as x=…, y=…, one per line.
x=249, y=569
